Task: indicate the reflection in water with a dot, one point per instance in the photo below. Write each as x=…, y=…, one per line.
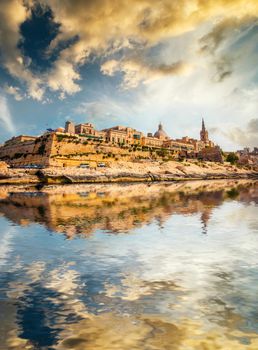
x=85, y=209
x=149, y=267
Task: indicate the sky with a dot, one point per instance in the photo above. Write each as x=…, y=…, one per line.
x=134, y=63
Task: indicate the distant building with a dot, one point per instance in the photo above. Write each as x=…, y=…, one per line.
x=21, y=138
x=204, y=136
x=86, y=128
x=150, y=141
x=69, y=127
x=123, y=135
x=68, y=145
x=198, y=145
x=246, y=156
x=161, y=134
x=155, y=140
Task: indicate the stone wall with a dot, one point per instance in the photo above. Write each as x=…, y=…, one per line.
x=28, y=152
x=64, y=150
x=71, y=151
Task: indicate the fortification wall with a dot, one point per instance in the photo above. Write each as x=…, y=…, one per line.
x=28, y=152
x=64, y=150
x=72, y=151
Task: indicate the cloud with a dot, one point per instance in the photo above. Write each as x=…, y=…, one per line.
x=228, y=27
x=105, y=28
x=110, y=26
x=252, y=126
x=137, y=71
x=103, y=110
x=14, y=91
x=62, y=79
x=12, y=14
x=222, y=43
x=223, y=68
x=246, y=137
x=5, y=115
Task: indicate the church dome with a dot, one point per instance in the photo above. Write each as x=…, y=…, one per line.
x=161, y=134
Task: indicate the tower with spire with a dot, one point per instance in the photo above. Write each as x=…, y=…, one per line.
x=204, y=136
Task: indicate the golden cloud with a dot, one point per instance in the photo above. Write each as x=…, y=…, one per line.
x=12, y=14
x=136, y=71
x=99, y=22
x=104, y=27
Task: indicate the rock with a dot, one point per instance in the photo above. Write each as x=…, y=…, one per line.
x=3, y=166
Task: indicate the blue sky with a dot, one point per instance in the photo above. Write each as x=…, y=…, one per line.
x=110, y=63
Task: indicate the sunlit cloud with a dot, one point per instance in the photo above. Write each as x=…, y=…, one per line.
x=14, y=91
x=136, y=71
x=103, y=28
x=138, y=64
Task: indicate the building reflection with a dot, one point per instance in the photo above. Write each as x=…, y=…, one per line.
x=84, y=209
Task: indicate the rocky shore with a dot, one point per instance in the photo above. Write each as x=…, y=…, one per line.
x=129, y=172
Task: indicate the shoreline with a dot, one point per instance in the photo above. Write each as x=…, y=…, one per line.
x=128, y=172
x=146, y=178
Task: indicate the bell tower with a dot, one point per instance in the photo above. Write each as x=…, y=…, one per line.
x=204, y=136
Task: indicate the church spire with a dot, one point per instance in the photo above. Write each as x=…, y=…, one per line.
x=203, y=125
x=204, y=133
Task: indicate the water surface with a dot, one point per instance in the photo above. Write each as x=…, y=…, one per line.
x=138, y=266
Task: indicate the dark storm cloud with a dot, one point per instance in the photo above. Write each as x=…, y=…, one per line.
x=37, y=32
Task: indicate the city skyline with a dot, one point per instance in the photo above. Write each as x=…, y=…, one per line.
x=109, y=63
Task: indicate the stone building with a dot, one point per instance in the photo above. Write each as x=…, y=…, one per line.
x=156, y=140
x=85, y=128
x=198, y=145
x=123, y=135
x=21, y=138
x=178, y=145
x=161, y=134
x=204, y=136
x=69, y=127
x=150, y=141
x=73, y=144
x=204, y=141
x=248, y=157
